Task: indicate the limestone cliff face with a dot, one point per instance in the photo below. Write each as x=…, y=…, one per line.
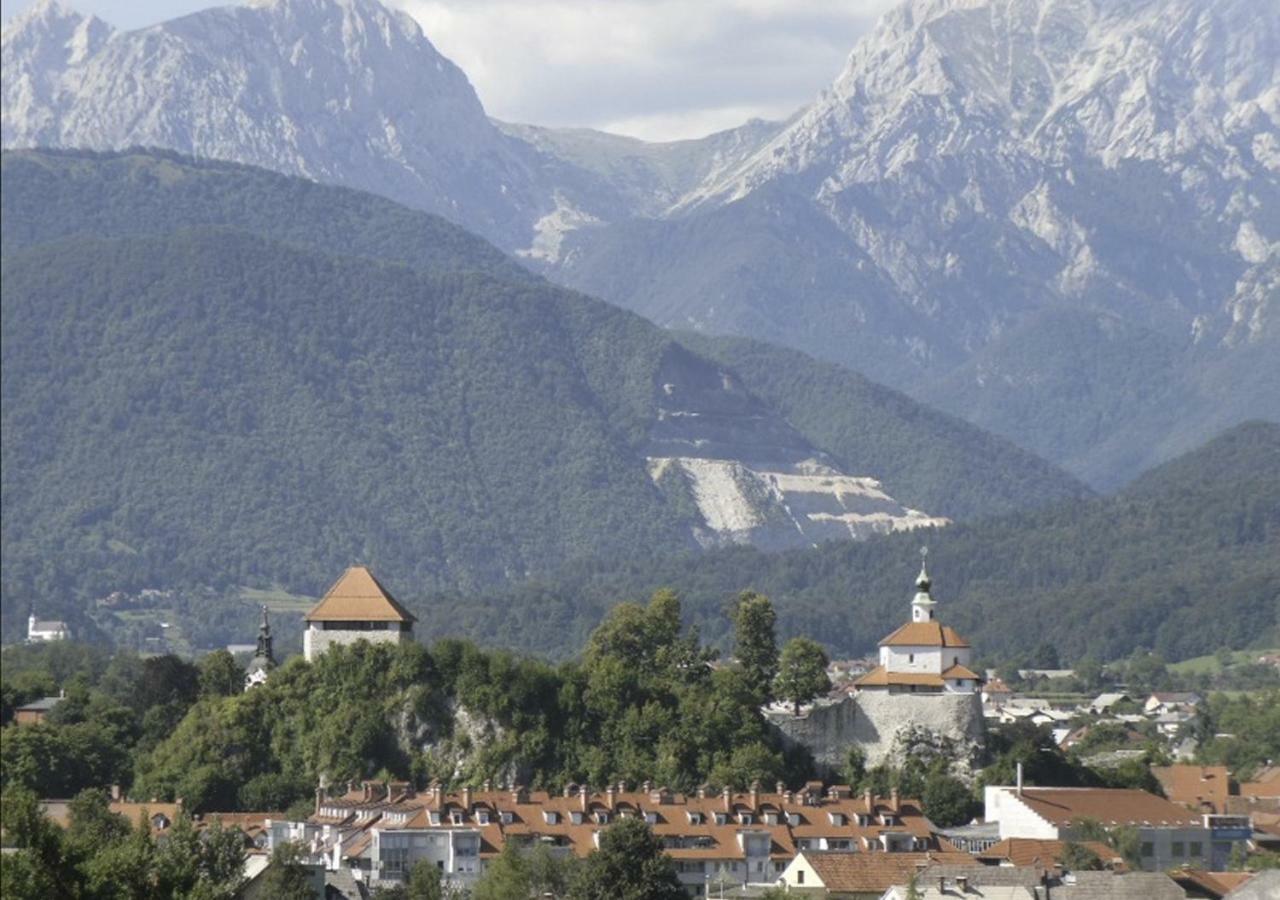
x=743, y=474
x=881, y=723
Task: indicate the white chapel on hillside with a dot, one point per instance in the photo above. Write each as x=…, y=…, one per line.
x=922, y=656
x=356, y=608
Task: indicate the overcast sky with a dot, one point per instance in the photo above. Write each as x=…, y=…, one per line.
x=657, y=69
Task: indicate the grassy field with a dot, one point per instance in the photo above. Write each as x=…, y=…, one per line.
x=1210, y=665
x=277, y=599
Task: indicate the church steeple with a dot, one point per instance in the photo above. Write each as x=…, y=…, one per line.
x=264, y=659
x=264, y=640
x=922, y=604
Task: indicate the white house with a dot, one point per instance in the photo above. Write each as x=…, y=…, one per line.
x=356, y=608
x=1169, y=834
x=923, y=656
x=39, y=630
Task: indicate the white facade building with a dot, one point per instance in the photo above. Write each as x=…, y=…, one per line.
x=39, y=630
x=923, y=656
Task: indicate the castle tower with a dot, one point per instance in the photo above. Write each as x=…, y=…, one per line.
x=356, y=608
x=264, y=659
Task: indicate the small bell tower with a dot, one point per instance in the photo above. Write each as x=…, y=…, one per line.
x=922, y=604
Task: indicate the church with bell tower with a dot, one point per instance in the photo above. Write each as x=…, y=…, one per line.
x=922, y=656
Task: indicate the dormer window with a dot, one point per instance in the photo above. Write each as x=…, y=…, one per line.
x=482, y=816
x=722, y=819
x=651, y=818
x=456, y=817
x=551, y=817
x=602, y=818
x=575, y=817
x=771, y=818
x=506, y=817
x=836, y=818
x=695, y=818
x=744, y=818
x=435, y=817
x=793, y=819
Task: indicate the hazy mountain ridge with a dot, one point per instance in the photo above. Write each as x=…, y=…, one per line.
x=979, y=167
x=219, y=375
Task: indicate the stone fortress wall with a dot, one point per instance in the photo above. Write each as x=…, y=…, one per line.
x=874, y=719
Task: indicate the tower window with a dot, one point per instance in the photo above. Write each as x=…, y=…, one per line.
x=911, y=657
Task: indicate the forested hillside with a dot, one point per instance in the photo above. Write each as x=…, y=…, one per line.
x=1185, y=562
x=217, y=376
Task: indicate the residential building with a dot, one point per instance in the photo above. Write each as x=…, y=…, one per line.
x=1204, y=789
x=35, y=711
x=922, y=656
x=1044, y=854
x=1265, y=885
x=1202, y=884
x=356, y=608
x=159, y=816
x=264, y=659
x=39, y=630
x=378, y=831
x=1175, y=701
x=1169, y=834
x=845, y=876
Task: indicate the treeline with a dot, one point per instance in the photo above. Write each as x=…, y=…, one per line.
x=1179, y=565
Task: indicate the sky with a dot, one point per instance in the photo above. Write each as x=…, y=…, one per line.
x=655, y=69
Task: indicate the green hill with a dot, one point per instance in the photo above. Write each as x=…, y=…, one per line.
x=1185, y=562
x=216, y=376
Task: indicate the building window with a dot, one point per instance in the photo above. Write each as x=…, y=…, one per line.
x=1197, y=850
x=1148, y=849
x=1178, y=849
x=911, y=657
x=800, y=876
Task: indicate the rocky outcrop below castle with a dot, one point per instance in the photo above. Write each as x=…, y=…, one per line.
x=885, y=726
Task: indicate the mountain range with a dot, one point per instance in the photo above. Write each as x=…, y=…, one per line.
x=217, y=375
x=1058, y=219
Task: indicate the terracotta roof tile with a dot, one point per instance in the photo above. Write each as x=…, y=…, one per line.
x=358, y=597
x=1108, y=806
x=925, y=634
x=876, y=872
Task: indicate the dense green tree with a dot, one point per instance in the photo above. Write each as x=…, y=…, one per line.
x=948, y=801
x=522, y=872
x=802, y=672
x=1079, y=858
x=220, y=676
x=629, y=865
x=286, y=877
x=1124, y=839
x=755, y=642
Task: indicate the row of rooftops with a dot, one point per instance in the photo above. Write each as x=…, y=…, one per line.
x=705, y=824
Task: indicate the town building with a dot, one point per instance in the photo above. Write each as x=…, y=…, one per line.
x=378, y=831
x=922, y=656
x=264, y=659
x=1204, y=789
x=36, y=711
x=356, y=608
x=1169, y=834
x=1044, y=854
x=844, y=876
x=41, y=630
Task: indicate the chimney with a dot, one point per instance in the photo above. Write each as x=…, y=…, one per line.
x=755, y=796
x=893, y=799
x=610, y=796
x=787, y=797
x=779, y=788
x=584, y=797
x=364, y=794
x=115, y=792
x=466, y=798
x=487, y=786
x=646, y=787
x=702, y=791
x=319, y=799
x=727, y=796
x=869, y=799
x=1019, y=779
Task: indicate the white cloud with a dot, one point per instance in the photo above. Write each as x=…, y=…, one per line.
x=659, y=69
